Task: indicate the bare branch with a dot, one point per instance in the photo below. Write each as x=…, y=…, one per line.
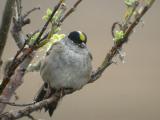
x=19, y=21
x=26, y=111
x=15, y=82
x=17, y=25
x=27, y=52
x=113, y=52
x=30, y=11
x=4, y=28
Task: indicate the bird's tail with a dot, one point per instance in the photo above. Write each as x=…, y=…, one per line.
x=44, y=93
x=51, y=107
x=41, y=93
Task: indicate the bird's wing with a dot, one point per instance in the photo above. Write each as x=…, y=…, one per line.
x=90, y=55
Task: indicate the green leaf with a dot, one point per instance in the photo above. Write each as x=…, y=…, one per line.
x=33, y=38
x=129, y=2
x=119, y=35
x=45, y=18
x=55, y=38
x=49, y=12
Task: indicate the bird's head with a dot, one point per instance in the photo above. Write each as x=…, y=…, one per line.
x=78, y=38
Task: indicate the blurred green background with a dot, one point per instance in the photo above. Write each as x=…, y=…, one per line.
x=127, y=91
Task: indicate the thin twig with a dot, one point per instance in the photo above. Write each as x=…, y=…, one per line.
x=19, y=8
x=70, y=11
x=27, y=52
x=15, y=81
x=127, y=20
x=15, y=104
x=18, y=23
x=24, y=112
x=113, y=52
x=30, y=11
x=46, y=24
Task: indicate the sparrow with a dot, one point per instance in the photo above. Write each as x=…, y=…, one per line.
x=66, y=66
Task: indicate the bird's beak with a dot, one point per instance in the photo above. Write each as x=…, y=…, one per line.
x=82, y=45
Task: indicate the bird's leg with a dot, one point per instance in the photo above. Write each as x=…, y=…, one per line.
x=61, y=91
x=65, y=91
x=48, y=91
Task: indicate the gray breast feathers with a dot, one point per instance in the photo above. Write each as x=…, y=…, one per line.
x=66, y=66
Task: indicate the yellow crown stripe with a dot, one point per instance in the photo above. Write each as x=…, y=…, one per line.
x=82, y=36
